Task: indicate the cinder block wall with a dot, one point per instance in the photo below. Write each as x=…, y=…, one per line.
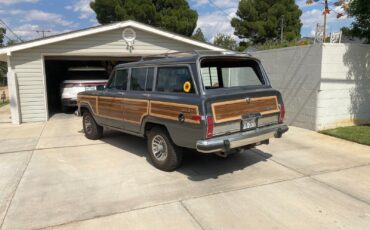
x=324, y=86
x=344, y=97
x=296, y=73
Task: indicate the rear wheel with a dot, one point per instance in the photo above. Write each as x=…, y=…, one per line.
x=92, y=130
x=163, y=153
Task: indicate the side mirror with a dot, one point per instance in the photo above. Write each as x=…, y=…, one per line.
x=100, y=87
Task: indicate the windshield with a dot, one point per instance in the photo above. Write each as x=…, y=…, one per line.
x=230, y=72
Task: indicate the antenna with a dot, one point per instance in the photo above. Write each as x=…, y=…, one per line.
x=43, y=32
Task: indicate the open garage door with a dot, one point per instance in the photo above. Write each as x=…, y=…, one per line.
x=76, y=74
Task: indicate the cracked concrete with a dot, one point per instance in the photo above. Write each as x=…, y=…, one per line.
x=64, y=181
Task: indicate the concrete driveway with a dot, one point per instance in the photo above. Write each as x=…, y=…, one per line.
x=51, y=176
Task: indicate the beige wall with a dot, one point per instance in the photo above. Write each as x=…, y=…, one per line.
x=28, y=64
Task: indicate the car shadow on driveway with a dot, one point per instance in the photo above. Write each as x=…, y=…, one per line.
x=196, y=166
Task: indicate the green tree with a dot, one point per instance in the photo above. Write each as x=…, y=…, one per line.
x=2, y=36
x=3, y=66
x=172, y=15
x=225, y=41
x=198, y=35
x=262, y=20
x=360, y=11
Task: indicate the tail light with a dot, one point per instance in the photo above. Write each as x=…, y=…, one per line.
x=210, y=125
x=282, y=113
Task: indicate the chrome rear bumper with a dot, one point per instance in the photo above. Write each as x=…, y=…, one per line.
x=232, y=141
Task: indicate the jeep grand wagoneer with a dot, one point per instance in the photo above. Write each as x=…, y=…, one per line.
x=209, y=101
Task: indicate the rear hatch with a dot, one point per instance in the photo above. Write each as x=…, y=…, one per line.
x=239, y=96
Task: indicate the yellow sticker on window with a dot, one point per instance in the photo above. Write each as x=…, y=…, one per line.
x=187, y=87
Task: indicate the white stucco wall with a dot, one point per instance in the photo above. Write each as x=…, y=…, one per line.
x=323, y=86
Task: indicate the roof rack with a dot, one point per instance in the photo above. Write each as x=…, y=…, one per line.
x=191, y=53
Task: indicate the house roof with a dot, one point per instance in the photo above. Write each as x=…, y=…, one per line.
x=103, y=28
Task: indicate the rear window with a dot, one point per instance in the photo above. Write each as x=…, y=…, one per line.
x=231, y=72
x=86, y=75
x=174, y=80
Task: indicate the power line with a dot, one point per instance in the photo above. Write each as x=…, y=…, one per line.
x=9, y=29
x=220, y=9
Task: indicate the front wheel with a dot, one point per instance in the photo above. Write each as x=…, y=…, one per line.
x=163, y=153
x=92, y=130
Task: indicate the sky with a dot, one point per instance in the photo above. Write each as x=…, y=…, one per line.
x=26, y=17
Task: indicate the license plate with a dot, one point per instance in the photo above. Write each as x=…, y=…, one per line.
x=89, y=88
x=249, y=124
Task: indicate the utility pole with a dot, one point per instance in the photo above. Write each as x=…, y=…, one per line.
x=326, y=11
x=282, y=29
x=43, y=32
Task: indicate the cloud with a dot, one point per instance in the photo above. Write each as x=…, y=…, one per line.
x=10, y=2
x=216, y=22
x=29, y=31
x=216, y=19
x=302, y=4
x=310, y=18
x=39, y=15
x=82, y=7
x=219, y=3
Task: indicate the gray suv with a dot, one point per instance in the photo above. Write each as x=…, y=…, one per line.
x=213, y=102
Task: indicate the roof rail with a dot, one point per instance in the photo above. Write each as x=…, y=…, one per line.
x=191, y=53
x=168, y=55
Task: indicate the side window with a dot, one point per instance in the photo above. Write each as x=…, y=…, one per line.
x=138, y=78
x=174, y=80
x=149, y=79
x=119, y=80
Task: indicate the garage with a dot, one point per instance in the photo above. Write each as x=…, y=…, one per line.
x=38, y=68
x=74, y=74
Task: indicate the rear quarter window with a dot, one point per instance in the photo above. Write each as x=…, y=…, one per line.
x=174, y=80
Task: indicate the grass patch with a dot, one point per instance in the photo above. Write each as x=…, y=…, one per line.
x=358, y=134
x=5, y=103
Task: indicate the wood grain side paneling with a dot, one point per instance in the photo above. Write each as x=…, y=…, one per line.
x=111, y=107
x=90, y=100
x=171, y=111
x=135, y=110
x=233, y=110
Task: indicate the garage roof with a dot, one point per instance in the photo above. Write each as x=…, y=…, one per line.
x=99, y=29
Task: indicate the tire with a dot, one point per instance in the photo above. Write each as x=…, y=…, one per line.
x=169, y=157
x=92, y=130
